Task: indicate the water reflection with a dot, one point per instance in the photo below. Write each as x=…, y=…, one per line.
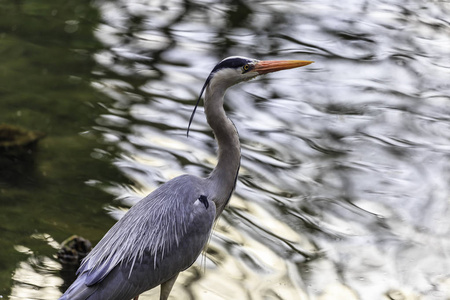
x=37, y=277
x=344, y=179
x=344, y=187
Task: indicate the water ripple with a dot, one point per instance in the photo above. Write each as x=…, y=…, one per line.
x=344, y=164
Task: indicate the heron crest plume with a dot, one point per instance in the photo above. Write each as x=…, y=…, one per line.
x=235, y=69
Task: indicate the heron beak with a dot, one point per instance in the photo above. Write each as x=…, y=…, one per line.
x=268, y=66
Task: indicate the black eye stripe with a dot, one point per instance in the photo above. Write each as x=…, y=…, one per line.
x=232, y=63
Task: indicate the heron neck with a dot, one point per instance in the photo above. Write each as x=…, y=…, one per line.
x=222, y=179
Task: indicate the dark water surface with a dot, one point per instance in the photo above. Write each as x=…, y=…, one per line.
x=344, y=189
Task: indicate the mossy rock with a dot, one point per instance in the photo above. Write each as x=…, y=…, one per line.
x=16, y=141
x=73, y=250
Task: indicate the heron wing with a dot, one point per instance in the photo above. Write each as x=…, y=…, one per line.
x=97, y=274
x=157, y=238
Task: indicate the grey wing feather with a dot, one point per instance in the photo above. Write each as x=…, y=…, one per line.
x=160, y=236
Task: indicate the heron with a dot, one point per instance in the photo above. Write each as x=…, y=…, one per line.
x=164, y=233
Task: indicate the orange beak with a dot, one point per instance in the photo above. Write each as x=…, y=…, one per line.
x=268, y=66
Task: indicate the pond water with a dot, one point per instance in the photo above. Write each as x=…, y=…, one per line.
x=344, y=187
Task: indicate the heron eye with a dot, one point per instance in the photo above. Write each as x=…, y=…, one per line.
x=245, y=68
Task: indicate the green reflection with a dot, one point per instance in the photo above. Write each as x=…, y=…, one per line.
x=46, y=64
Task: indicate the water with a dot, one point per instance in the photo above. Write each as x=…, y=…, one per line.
x=343, y=191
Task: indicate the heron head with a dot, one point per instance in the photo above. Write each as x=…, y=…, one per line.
x=232, y=70
x=235, y=69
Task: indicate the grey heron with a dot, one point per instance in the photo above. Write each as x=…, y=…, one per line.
x=165, y=232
